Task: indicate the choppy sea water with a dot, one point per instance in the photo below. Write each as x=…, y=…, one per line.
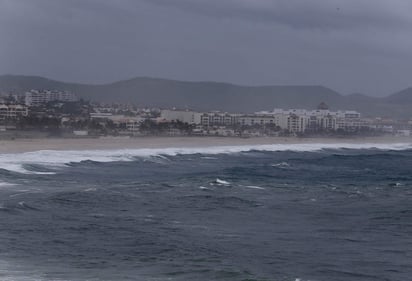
x=275, y=212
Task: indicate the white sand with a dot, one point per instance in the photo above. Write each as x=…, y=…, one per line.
x=27, y=145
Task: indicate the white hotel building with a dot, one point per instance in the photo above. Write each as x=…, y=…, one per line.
x=39, y=97
x=301, y=120
x=185, y=116
x=293, y=120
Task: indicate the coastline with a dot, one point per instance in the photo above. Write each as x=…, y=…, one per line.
x=114, y=143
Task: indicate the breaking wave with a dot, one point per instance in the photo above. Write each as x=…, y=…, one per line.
x=52, y=160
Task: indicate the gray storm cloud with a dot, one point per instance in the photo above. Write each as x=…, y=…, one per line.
x=349, y=45
x=303, y=13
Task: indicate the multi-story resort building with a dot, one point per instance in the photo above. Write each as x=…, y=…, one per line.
x=292, y=120
x=219, y=119
x=301, y=120
x=185, y=116
x=39, y=97
x=12, y=111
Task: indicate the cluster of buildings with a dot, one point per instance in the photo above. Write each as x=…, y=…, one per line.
x=293, y=121
x=130, y=120
x=14, y=106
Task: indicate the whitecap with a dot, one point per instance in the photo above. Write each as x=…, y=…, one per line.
x=57, y=159
x=221, y=182
x=42, y=173
x=281, y=165
x=91, y=189
x=255, y=187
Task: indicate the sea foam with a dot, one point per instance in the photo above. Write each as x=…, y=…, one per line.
x=55, y=159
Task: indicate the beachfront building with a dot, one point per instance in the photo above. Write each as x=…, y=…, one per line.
x=206, y=119
x=295, y=121
x=13, y=111
x=258, y=119
x=321, y=119
x=130, y=123
x=349, y=121
x=216, y=118
x=185, y=116
x=40, y=97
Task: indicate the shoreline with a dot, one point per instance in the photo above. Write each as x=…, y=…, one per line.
x=115, y=143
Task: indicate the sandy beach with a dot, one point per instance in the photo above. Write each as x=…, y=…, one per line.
x=109, y=143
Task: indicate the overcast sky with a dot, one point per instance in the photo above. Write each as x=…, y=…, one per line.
x=349, y=45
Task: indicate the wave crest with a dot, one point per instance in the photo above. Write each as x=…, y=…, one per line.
x=55, y=159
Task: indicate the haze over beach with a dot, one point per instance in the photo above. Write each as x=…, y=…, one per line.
x=205, y=140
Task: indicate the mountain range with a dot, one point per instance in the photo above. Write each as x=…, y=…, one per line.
x=206, y=96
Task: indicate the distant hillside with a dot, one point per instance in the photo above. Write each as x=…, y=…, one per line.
x=217, y=96
x=404, y=96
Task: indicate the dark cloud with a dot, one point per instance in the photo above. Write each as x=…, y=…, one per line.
x=349, y=45
x=331, y=14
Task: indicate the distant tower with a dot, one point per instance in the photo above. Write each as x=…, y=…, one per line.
x=323, y=106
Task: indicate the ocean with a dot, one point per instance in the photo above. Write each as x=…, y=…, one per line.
x=298, y=212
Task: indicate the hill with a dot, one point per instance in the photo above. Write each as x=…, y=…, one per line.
x=166, y=93
x=404, y=96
